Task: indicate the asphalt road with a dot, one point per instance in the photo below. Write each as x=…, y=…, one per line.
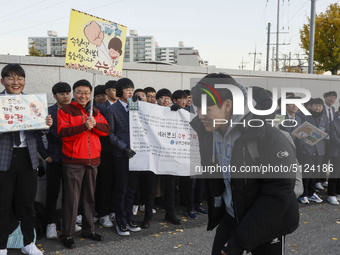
x=318, y=233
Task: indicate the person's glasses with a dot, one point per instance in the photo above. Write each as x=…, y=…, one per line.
x=83, y=93
x=11, y=79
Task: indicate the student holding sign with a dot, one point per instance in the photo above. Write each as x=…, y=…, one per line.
x=18, y=169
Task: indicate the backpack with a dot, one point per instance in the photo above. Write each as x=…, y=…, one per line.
x=254, y=153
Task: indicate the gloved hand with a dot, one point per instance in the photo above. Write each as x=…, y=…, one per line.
x=129, y=153
x=135, y=98
x=175, y=107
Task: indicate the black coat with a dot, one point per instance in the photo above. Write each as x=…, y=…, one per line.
x=264, y=208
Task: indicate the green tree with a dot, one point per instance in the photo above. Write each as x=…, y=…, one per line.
x=32, y=51
x=327, y=39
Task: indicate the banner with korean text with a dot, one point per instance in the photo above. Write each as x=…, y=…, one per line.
x=95, y=43
x=23, y=112
x=162, y=140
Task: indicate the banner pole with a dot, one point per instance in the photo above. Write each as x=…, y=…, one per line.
x=92, y=94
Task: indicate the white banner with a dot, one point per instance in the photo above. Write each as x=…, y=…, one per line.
x=162, y=140
x=23, y=112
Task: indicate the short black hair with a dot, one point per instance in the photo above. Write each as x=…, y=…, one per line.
x=178, y=94
x=99, y=90
x=110, y=84
x=82, y=82
x=207, y=84
x=187, y=92
x=61, y=87
x=149, y=89
x=330, y=93
x=162, y=93
x=123, y=83
x=318, y=101
x=15, y=69
x=309, y=102
x=139, y=90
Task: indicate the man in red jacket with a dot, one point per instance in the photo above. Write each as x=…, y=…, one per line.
x=81, y=157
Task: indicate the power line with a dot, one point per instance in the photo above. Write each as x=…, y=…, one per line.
x=57, y=19
x=25, y=8
x=35, y=11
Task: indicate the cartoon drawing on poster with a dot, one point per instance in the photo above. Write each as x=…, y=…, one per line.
x=95, y=43
x=23, y=112
x=95, y=35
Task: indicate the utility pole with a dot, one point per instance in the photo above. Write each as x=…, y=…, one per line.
x=255, y=53
x=277, y=35
x=268, y=46
x=242, y=64
x=311, y=37
x=273, y=62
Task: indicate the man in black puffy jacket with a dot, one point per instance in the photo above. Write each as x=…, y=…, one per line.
x=253, y=211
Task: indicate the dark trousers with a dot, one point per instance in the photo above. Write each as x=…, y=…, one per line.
x=325, y=160
x=124, y=190
x=18, y=188
x=148, y=183
x=79, y=186
x=199, y=190
x=334, y=178
x=309, y=177
x=169, y=193
x=105, y=183
x=186, y=189
x=54, y=174
x=226, y=229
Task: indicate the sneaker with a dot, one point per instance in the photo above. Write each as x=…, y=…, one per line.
x=31, y=249
x=142, y=209
x=338, y=197
x=51, y=231
x=201, y=210
x=325, y=184
x=319, y=186
x=304, y=200
x=95, y=219
x=77, y=228
x=3, y=251
x=122, y=230
x=68, y=242
x=79, y=220
x=332, y=200
x=133, y=226
x=135, y=210
x=106, y=222
x=112, y=216
x=191, y=214
x=315, y=198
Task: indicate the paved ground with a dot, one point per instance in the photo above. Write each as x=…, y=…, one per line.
x=319, y=233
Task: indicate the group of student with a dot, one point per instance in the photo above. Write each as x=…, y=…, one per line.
x=87, y=154
x=319, y=162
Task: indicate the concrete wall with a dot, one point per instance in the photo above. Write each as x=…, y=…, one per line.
x=43, y=72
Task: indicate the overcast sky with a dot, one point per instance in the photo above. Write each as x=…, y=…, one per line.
x=224, y=31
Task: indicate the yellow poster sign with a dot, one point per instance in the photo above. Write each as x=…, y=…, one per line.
x=95, y=43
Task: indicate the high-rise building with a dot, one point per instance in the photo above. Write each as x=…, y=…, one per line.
x=139, y=48
x=180, y=55
x=51, y=45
